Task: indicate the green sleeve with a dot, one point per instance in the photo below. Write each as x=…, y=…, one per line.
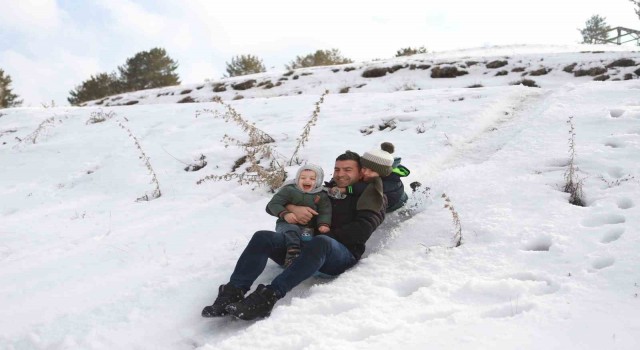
x=324, y=210
x=277, y=204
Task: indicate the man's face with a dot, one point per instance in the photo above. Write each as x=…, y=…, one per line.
x=346, y=172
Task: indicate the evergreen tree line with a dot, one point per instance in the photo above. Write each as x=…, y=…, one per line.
x=145, y=70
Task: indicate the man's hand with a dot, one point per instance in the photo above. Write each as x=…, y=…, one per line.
x=303, y=214
x=290, y=218
x=323, y=229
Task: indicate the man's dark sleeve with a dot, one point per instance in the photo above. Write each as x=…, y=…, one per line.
x=360, y=229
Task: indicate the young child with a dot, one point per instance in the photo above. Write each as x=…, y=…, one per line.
x=381, y=163
x=305, y=190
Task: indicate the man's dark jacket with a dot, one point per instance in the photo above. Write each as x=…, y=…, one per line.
x=354, y=218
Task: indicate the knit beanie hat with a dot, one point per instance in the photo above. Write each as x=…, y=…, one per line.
x=379, y=160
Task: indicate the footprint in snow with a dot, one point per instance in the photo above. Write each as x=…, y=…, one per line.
x=538, y=244
x=612, y=235
x=625, y=203
x=604, y=219
x=408, y=286
x=616, y=112
x=602, y=262
x=615, y=143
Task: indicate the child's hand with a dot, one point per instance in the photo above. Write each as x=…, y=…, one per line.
x=324, y=229
x=291, y=218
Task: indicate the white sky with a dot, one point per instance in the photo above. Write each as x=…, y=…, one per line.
x=48, y=47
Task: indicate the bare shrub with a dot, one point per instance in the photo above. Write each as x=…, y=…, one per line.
x=184, y=92
x=595, y=71
x=100, y=116
x=623, y=62
x=496, y=64
x=447, y=72
x=518, y=69
x=541, y=71
x=187, y=99
x=573, y=185
x=344, y=90
x=375, y=72
x=602, y=77
x=244, y=85
x=525, y=82
x=219, y=87
x=32, y=138
x=501, y=73
x=570, y=68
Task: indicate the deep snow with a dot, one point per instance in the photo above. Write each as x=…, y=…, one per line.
x=85, y=266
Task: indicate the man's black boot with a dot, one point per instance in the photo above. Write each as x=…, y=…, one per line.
x=255, y=305
x=227, y=294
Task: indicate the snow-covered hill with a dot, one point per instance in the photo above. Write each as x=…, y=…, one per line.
x=84, y=265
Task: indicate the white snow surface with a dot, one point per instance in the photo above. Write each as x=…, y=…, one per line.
x=83, y=265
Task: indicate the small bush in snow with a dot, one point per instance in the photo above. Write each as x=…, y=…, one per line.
x=244, y=85
x=496, y=64
x=375, y=72
x=623, y=62
x=187, y=99
x=100, y=116
x=447, y=72
x=602, y=77
x=595, y=71
x=569, y=68
x=525, y=82
x=541, y=71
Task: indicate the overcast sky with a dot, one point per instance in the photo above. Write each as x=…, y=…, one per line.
x=48, y=47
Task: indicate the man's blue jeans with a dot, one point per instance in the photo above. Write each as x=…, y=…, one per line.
x=322, y=253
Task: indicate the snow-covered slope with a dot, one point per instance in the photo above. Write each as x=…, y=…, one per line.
x=543, y=66
x=85, y=266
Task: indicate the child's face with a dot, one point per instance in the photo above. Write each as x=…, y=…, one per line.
x=307, y=181
x=368, y=174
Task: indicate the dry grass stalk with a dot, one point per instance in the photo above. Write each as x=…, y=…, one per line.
x=573, y=185
x=154, y=178
x=306, y=130
x=32, y=138
x=457, y=235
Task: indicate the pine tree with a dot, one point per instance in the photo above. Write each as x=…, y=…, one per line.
x=99, y=86
x=243, y=65
x=319, y=58
x=7, y=97
x=595, y=30
x=149, y=69
x=637, y=9
x=408, y=51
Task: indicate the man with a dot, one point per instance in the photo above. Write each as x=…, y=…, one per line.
x=353, y=218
